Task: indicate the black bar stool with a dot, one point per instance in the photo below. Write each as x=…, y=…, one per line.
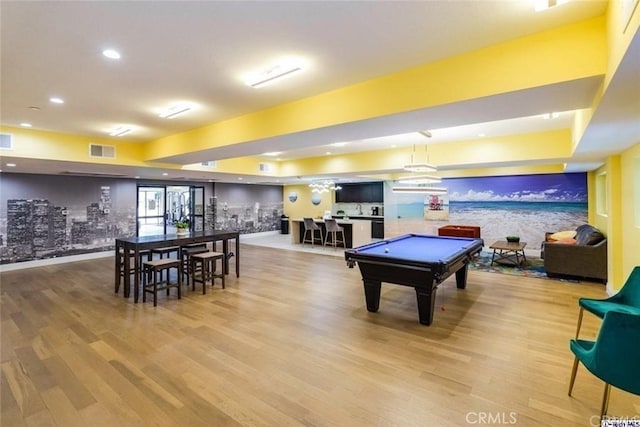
x=153, y=270
x=185, y=258
x=205, y=263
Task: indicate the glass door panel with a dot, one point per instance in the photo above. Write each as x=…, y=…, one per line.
x=151, y=211
x=197, y=200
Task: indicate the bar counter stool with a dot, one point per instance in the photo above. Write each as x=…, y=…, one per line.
x=185, y=258
x=311, y=227
x=167, y=250
x=143, y=254
x=153, y=270
x=333, y=228
x=205, y=263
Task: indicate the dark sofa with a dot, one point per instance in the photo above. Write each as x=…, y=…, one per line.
x=586, y=258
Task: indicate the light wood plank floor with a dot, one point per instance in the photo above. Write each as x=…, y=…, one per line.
x=290, y=343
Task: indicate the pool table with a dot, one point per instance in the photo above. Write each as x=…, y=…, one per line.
x=420, y=261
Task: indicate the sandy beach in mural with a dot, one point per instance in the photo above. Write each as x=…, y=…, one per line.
x=527, y=206
x=497, y=220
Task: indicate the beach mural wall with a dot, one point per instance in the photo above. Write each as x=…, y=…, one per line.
x=522, y=205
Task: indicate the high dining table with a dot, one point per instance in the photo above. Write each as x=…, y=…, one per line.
x=131, y=246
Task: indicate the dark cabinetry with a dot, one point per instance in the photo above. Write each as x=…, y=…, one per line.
x=377, y=229
x=365, y=192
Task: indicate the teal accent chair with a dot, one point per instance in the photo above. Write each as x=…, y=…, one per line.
x=627, y=299
x=613, y=357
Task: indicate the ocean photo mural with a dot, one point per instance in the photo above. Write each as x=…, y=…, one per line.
x=522, y=205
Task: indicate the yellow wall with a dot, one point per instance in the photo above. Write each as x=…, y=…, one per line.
x=35, y=144
x=502, y=68
x=621, y=222
x=630, y=209
x=303, y=207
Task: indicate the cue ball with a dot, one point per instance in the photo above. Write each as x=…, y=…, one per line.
x=386, y=250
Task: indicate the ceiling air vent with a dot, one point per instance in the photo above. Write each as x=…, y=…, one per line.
x=6, y=141
x=264, y=167
x=210, y=164
x=103, y=151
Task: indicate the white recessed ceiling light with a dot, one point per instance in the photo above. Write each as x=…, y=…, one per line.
x=339, y=144
x=25, y=125
x=11, y=165
x=272, y=153
x=56, y=100
x=239, y=178
x=111, y=53
x=165, y=174
x=550, y=116
x=174, y=110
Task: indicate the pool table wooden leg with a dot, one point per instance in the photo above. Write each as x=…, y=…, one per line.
x=426, y=303
x=372, y=294
x=461, y=276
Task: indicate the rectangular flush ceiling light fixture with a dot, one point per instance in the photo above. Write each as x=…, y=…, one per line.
x=122, y=130
x=174, y=111
x=276, y=72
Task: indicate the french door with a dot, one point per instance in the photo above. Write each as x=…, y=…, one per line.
x=160, y=206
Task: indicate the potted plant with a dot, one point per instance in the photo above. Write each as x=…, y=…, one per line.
x=182, y=227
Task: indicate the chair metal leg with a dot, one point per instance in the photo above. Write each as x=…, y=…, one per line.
x=605, y=401
x=574, y=370
x=579, y=321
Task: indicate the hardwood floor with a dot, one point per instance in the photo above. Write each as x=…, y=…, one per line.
x=290, y=343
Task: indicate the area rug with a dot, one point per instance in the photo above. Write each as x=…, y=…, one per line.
x=533, y=267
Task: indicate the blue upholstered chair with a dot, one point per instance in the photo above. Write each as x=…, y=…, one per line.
x=627, y=299
x=613, y=357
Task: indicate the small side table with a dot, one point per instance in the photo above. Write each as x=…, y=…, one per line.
x=508, y=252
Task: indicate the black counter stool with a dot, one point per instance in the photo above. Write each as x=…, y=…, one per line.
x=205, y=264
x=144, y=254
x=167, y=250
x=185, y=258
x=153, y=270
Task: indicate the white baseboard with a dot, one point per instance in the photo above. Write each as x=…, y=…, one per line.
x=258, y=235
x=51, y=261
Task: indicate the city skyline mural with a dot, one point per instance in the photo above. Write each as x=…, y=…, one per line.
x=246, y=208
x=61, y=216
x=50, y=216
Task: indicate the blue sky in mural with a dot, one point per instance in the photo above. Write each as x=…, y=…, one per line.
x=567, y=188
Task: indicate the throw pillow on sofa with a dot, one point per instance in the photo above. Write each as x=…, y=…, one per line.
x=588, y=235
x=562, y=235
